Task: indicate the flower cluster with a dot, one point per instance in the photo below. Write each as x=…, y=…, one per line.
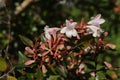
x=65, y=46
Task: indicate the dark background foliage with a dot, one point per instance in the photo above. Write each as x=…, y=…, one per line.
x=30, y=21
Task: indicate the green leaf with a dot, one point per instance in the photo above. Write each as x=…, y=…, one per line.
x=3, y=64
x=22, y=58
x=112, y=74
x=21, y=78
x=52, y=69
x=101, y=75
x=91, y=78
x=26, y=41
x=39, y=74
x=30, y=76
x=62, y=71
x=90, y=64
x=43, y=38
x=11, y=78
x=53, y=77
x=85, y=42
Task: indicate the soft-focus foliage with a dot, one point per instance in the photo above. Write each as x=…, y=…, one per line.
x=27, y=18
x=3, y=63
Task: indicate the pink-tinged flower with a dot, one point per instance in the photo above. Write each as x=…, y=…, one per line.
x=82, y=68
x=86, y=50
x=48, y=31
x=68, y=47
x=96, y=21
x=44, y=70
x=94, y=75
x=110, y=46
x=94, y=30
x=108, y=65
x=69, y=29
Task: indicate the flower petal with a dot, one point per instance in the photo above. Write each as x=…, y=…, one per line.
x=69, y=33
x=82, y=68
x=67, y=23
x=47, y=35
x=90, y=22
x=63, y=30
x=101, y=21
x=95, y=34
x=95, y=30
x=73, y=24
x=96, y=21
x=98, y=17
x=46, y=28
x=74, y=32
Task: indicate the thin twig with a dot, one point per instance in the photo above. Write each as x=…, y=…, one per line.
x=7, y=73
x=9, y=36
x=96, y=63
x=104, y=68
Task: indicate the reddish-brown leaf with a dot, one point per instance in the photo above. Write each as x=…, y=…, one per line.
x=29, y=62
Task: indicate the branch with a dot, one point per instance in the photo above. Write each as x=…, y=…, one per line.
x=7, y=73
x=22, y=6
x=104, y=68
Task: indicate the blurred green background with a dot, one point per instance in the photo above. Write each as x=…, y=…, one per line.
x=31, y=20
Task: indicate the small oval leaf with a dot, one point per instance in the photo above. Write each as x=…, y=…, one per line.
x=3, y=64
x=11, y=78
x=26, y=41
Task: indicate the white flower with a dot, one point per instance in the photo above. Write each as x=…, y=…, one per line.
x=86, y=50
x=96, y=31
x=82, y=68
x=69, y=29
x=48, y=31
x=94, y=26
x=94, y=75
x=96, y=21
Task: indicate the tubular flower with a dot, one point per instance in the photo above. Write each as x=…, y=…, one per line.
x=48, y=31
x=69, y=29
x=96, y=31
x=96, y=21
